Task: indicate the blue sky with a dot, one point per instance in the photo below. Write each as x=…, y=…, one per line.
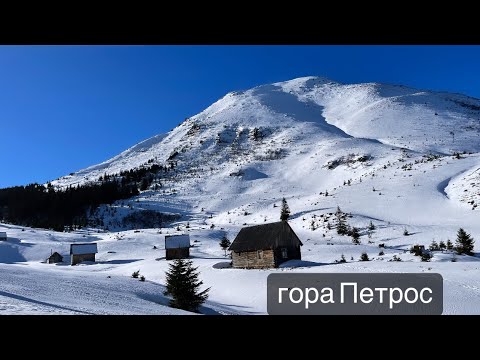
x=63, y=108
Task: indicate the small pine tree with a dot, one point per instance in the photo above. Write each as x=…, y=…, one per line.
x=142, y=278
x=339, y=212
x=464, y=243
x=342, y=227
x=312, y=225
x=364, y=257
x=442, y=245
x=285, y=211
x=225, y=243
x=355, y=236
x=405, y=232
x=381, y=253
x=433, y=246
x=342, y=259
x=449, y=245
x=135, y=274
x=371, y=226
x=183, y=285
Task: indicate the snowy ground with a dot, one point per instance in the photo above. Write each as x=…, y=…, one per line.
x=28, y=286
x=394, y=144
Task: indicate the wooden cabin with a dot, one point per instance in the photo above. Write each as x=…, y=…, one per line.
x=177, y=246
x=82, y=252
x=3, y=236
x=55, y=258
x=265, y=246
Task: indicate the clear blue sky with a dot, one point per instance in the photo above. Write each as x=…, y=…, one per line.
x=63, y=108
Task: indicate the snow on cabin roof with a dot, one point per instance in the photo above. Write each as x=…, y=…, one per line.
x=82, y=249
x=177, y=241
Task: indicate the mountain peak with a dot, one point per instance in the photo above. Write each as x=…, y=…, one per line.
x=297, y=115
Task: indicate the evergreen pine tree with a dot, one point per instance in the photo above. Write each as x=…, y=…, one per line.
x=339, y=212
x=442, y=245
x=434, y=246
x=449, y=245
x=355, y=235
x=183, y=285
x=342, y=227
x=371, y=226
x=225, y=243
x=464, y=243
x=285, y=212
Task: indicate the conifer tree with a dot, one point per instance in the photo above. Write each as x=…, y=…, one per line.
x=449, y=245
x=225, y=243
x=355, y=235
x=371, y=226
x=183, y=285
x=285, y=211
x=464, y=243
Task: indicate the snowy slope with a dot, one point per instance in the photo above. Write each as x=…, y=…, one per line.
x=383, y=153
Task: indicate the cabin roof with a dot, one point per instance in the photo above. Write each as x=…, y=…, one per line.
x=265, y=236
x=177, y=241
x=82, y=249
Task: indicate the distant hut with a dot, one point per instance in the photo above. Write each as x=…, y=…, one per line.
x=55, y=258
x=82, y=252
x=3, y=236
x=177, y=246
x=265, y=246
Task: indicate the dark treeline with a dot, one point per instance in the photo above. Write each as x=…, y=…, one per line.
x=42, y=206
x=39, y=206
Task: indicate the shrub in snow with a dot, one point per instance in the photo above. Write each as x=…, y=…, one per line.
x=381, y=253
x=416, y=250
x=135, y=274
x=396, y=258
x=426, y=256
x=342, y=259
x=142, y=278
x=405, y=232
x=364, y=257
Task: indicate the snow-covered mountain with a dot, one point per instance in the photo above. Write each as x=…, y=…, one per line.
x=302, y=137
x=401, y=158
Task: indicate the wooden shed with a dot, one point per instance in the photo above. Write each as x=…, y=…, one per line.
x=3, y=236
x=82, y=252
x=55, y=258
x=265, y=246
x=177, y=246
